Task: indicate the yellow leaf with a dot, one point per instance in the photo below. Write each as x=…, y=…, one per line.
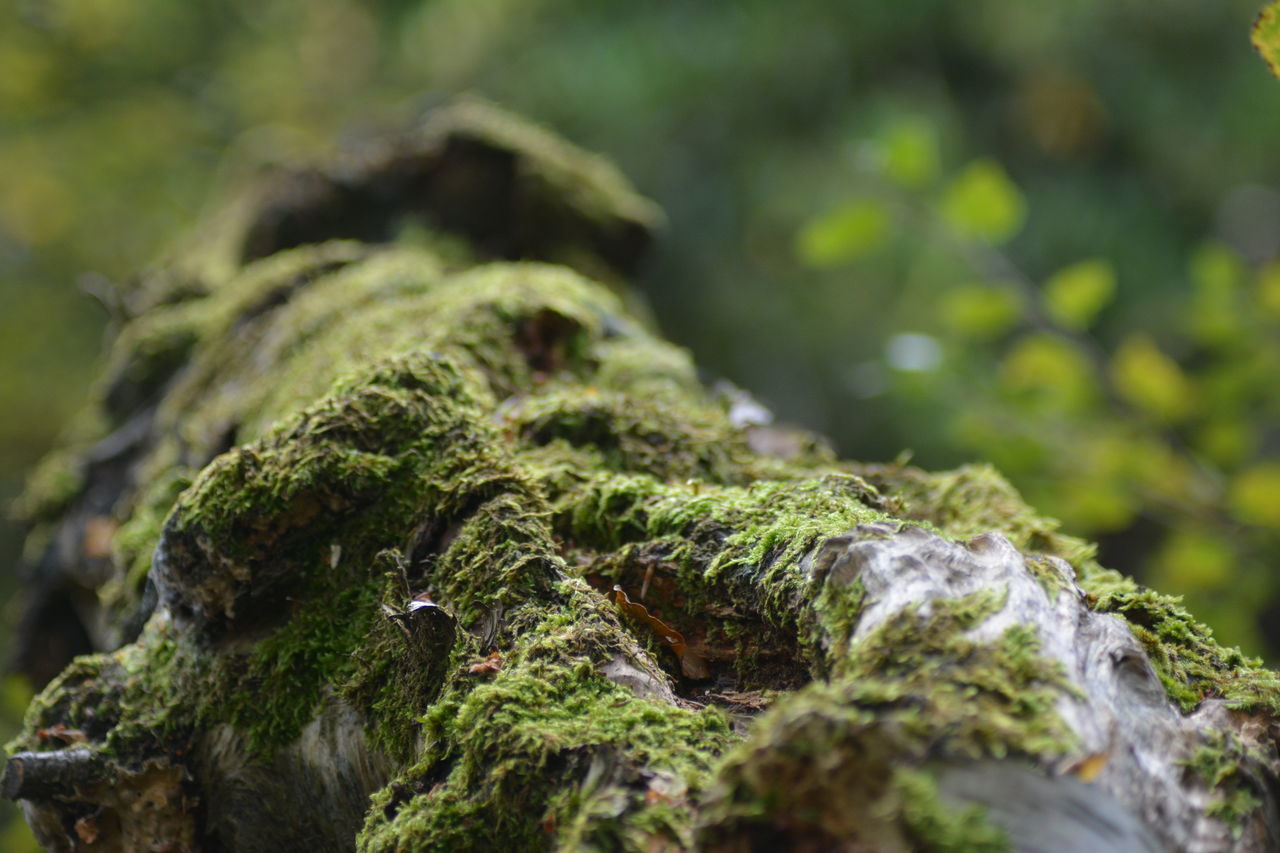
x=1269, y=289
x=1193, y=560
x=1226, y=441
x=1217, y=275
x=1075, y=294
x=1098, y=506
x=909, y=149
x=1049, y=370
x=843, y=235
x=1150, y=381
x=983, y=203
x=1087, y=768
x=981, y=311
x=1255, y=495
x=1266, y=35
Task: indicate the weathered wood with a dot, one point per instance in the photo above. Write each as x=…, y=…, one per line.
x=384, y=546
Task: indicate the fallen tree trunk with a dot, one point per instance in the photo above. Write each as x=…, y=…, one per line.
x=386, y=543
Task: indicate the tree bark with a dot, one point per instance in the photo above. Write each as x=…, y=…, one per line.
x=391, y=528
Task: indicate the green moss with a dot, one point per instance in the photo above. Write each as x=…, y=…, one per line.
x=371, y=425
x=147, y=354
x=135, y=542
x=822, y=762
x=1052, y=579
x=968, y=699
x=275, y=690
x=1190, y=664
x=591, y=184
x=934, y=827
x=124, y=704
x=733, y=545
x=548, y=752
x=1227, y=767
x=971, y=500
x=670, y=439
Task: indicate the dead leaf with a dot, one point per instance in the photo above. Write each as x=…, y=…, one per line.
x=488, y=666
x=652, y=797
x=664, y=632
x=87, y=829
x=98, y=533
x=60, y=732
x=691, y=664
x=1086, y=769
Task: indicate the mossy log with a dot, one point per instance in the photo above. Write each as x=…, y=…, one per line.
x=390, y=528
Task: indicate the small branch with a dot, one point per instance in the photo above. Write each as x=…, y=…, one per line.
x=44, y=775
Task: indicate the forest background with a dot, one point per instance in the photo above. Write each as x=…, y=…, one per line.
x=1047, y=237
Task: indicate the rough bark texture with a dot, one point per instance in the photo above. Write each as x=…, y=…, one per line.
x=387, y=536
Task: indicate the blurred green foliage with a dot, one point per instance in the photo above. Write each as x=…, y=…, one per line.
x=1266, y=35
x=1159, y=430
x=1047, y=235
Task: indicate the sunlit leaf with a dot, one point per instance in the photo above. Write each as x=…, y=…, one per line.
x=1268, y=291
x=909, y=151
x=1095, y=505
x=1048, y=370
x=981, y=311
x=1097, y=491
x=1217, y=276
x=1150, y=381
x=1225, y=441
x=1157, y=467
x=845, y=234
x=983, y=203
x=1266, y=35
x=1216, y=269
x=1255, y=495
x=1194, y=560
x=1075, y=294
x=1087, y=768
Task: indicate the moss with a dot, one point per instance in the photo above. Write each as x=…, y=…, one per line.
x=122, y=704
x=1190, y=664
x=933, y=826
x=820, y=764
x=397, y=672
x=968, y=699
x=370, y=426
x=670, y=439
x=971, y=500
x=339, y=458
x=147, y=354
x=399, y=445
x=547, y=752
x=1225, y=765
x=1052, y=579
x=135, y=542
x=591, y=184
x=734, y=545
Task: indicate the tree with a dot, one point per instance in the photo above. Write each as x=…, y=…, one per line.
x=393, y=527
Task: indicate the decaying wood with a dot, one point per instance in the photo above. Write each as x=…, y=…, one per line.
x=385, y=538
